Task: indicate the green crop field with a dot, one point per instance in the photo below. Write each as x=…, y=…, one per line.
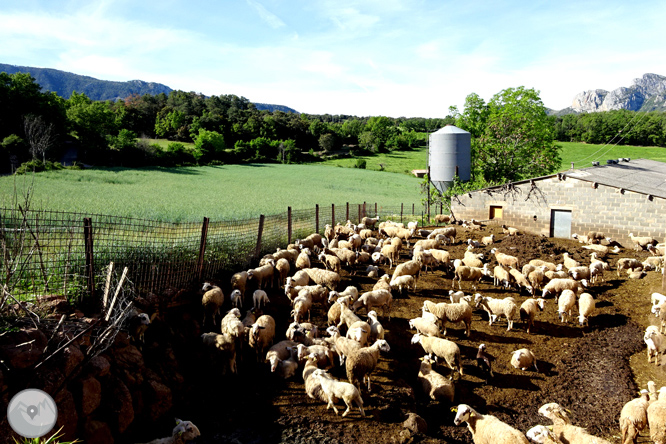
x=581, y=154
x=219, y=192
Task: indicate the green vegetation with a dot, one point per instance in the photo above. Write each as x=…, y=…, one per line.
x=582, y=154
x=222, y=192
x=394, y=162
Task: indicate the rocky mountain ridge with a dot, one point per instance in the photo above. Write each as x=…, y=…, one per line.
x=647, y=93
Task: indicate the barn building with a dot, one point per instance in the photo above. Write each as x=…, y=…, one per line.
x=628, y=196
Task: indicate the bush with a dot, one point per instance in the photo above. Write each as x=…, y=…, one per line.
x=38, y=166
x=360, y=163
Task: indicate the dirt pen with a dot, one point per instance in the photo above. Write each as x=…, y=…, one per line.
x=67, y=254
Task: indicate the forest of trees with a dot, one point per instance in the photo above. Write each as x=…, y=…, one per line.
x=40, y=127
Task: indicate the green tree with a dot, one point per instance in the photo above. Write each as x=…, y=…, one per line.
x=208, y=145
x=327, y=142
x=513, y=138
x=92, y=123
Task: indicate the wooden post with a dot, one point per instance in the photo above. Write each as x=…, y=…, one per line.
x=288, y=225
x=257, y=250
x=359, y=214
x=402, y=208
x=202, y=247
x=375, y=210
x=347, y=211
x=316, y=218
x=414, y=213
x=364, y=214
x=333, y=215
x=89, y=253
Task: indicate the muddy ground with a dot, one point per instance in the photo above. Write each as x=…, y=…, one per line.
x=591, y=371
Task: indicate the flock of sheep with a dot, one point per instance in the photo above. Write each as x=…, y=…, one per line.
x=309, y=272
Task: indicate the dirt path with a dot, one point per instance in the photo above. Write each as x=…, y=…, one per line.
x=591, y=371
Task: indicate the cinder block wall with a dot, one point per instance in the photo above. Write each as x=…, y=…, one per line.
x=602, y=208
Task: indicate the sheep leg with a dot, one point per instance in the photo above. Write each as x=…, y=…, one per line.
x=348, y=404
x=359, y=402
x=367, y=377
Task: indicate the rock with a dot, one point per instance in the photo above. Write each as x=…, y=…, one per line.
x=48, y=378
x=159, y=399
x=70, y=358
x=130, y=365
x=415, y=424
x=91, y=395
x=53, y=303
x=67, y=416
x=651, y=88
x=22, y=349
x=120, y=411
x=98, y=366
x=97, y=432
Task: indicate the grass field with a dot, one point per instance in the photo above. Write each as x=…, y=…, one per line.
x=581, y=154
x=220, y=192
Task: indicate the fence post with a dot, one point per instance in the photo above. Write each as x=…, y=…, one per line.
x=333, y=215
x=359, y=214
x=316, y=218
x=413, y=210
x=288, y=225
x=347, y=211
x=375, y=209
x=89, y=253
x=202, y=247
x=402, y=206
x=257, y=250
x=364, y=214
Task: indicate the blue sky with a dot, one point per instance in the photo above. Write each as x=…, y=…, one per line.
x=365, y=57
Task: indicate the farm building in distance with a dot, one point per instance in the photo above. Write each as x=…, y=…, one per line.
x=625, y=197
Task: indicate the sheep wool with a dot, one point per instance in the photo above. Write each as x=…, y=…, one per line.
x=335, y=390
x=487, y=429
x=328, y=279
x=542, y=435
x=436, y=386
x=564, y=430
x=183, y=432
x=586, y=306
x=361, y=363
x=633, y=418
x=523, y=359
x=211, y=301
x=441, y=348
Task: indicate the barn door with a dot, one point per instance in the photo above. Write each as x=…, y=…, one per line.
x=560, y=223
x=495, y=212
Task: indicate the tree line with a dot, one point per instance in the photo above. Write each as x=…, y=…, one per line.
x=40, y=126
x=512, y=135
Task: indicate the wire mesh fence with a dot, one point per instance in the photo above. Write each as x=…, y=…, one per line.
x=65, y=254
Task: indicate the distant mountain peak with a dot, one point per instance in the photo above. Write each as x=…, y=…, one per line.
x=647, y=93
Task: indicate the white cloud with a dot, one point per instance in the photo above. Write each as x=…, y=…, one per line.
x=271, y=19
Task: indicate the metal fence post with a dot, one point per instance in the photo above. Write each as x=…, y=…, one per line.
x=316, y=218
x=359, y=214
x=89, y=253
x=202, y=247
x=364, y=213
x=347, y=218
x=413, y=210
x=375, y=210
x=288, y=225
x=257, y=250
x=402, y=206
x=333, y=215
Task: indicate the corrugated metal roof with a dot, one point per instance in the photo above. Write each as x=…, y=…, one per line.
x=639, y=175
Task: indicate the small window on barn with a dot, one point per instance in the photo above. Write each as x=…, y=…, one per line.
x=495, y=212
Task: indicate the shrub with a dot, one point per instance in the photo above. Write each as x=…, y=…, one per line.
x=37, y=166
x=360, y=163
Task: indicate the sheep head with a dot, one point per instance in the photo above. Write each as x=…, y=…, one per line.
x=464, y=413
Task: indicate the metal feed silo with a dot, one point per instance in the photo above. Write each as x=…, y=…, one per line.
x=450, y=149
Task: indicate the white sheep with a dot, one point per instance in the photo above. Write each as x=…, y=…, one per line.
x=383, y=283
x=376, y=328
x=597, y=269
x=330, y=261
x=425, y=326
x=376, y=298
x=656, y=413
x=303, y=259
x=403, y=282
x=282, y=269
x=488, y=240
x=436, y=386
x=633, y=417
x=262, y=274
x=586, y=307
x=466, y=273
x=487, y=429
x=301, y=277
x=322, y=353
x=329, y=279
x=343, y=346
x=262, y=334
x=442, y=257
x=239, y=282
x=312, y=385
x=232, y=325
x=528, y=310
x=536, y=277
x=302, y=305
x=411, y=268
x=564, y=430
x=521, y=280
x=523, y=359
x=259, y=298
x=473, y=259
x=347, y=316
x=362, y=362
x=502, y=277
x=442, y=218
x=542, y=435
x=350, y=291
x=511, y=231
x=498, y=307
x=211, y=301
x=569, y=262
x=281, y=351
x=655, y=263
x=226, y=345
x=372, y=271
x=539, y=263
x=453, y=312
x=565, y=305
x=557, y=286
x=656, y=343
x=335, y=390
x=505, y=259
x=441, y=348
x=236, y=298
x=183, y=432
x=641, y=242
x=628, y=263
x=360, y=332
